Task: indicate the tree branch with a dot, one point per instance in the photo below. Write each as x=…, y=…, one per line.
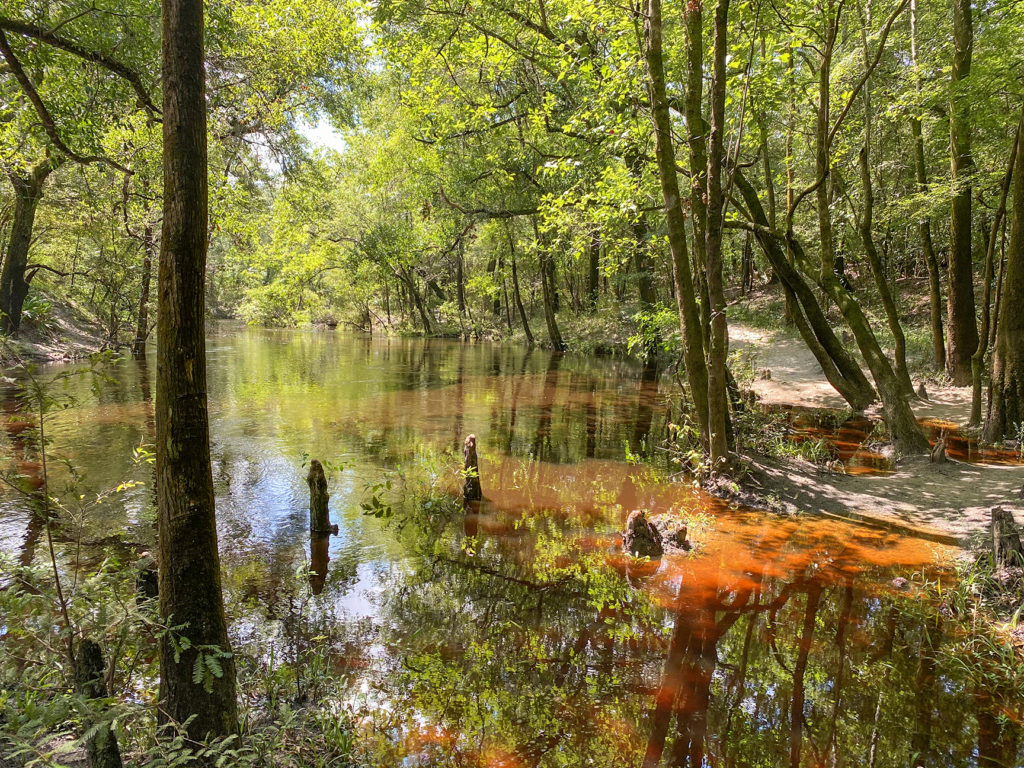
x=49, y=126
x=69, y=46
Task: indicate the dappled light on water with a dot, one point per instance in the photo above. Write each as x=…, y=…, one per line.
x=515, y=632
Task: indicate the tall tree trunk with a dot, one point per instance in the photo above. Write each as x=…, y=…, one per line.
x=142, y=318
x=28, y=191
x=409, y=278
x=718, y=403
x=696, y=143
x=924, y=226
x=190, y=584
x=978, y=358
x=593, y=270
x=689, y=313
x=963, y=325
x=822, y=160
x=517, y=296
x=460, y=278
x=549, y=292
x=1006, y=402
x=866, y=223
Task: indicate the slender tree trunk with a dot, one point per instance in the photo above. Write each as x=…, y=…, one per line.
x=28, y=191
x=747, y=266
x=593, y=271
x=963, y=325
x=409, y=278
x=517, y=296
x=548, y=289
x=190, y=585
x=142, y=321
x=978, y=359
x=718, y=403
x=689, y=313
x=790, y=120
x=924, y=226
x=822, y=161
x=696, y=142
x=865, y=225
x=460, y=278
x=1006, y=402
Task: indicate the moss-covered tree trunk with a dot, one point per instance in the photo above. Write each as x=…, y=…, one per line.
x=697, y=150
x=593, y=270
x=718, y=404
x=1006, y=402
x=28, y=191
x=190, y=582
x=664, y=150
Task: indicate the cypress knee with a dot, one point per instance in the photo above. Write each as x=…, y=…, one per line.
x=1006, y=546
x=471, y=490
x=319, y=515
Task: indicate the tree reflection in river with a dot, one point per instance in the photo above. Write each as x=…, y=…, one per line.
x=515, y=633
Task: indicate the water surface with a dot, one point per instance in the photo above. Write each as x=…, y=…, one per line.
x=516, y=633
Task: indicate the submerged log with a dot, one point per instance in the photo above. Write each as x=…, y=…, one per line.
x=101, y=746
x=319, y=515
x=641, y=538
x=1007, y=550
x=471, y=490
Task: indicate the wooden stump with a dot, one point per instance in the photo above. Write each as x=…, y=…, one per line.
x=1006, y=546
x=938, y=453
x=471, y=490
x=319, y=515
x=101, y=748
x=641, y=538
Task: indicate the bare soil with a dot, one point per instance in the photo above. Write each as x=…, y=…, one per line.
x=63, y=335
x=946, y=502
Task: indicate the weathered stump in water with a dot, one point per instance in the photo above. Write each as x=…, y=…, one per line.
x=1007, y=551
x=319, y=515
x=471, y=489
x=101, y=747
x=641, y=538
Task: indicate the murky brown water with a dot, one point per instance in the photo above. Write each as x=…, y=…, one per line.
x=516, y=634
x=852, y=441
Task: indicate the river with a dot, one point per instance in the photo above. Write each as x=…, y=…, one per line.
x=515, y=633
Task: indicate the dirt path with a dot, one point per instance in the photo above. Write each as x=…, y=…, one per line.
x=946, y=502
x=950, y=501
x=797, y=379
